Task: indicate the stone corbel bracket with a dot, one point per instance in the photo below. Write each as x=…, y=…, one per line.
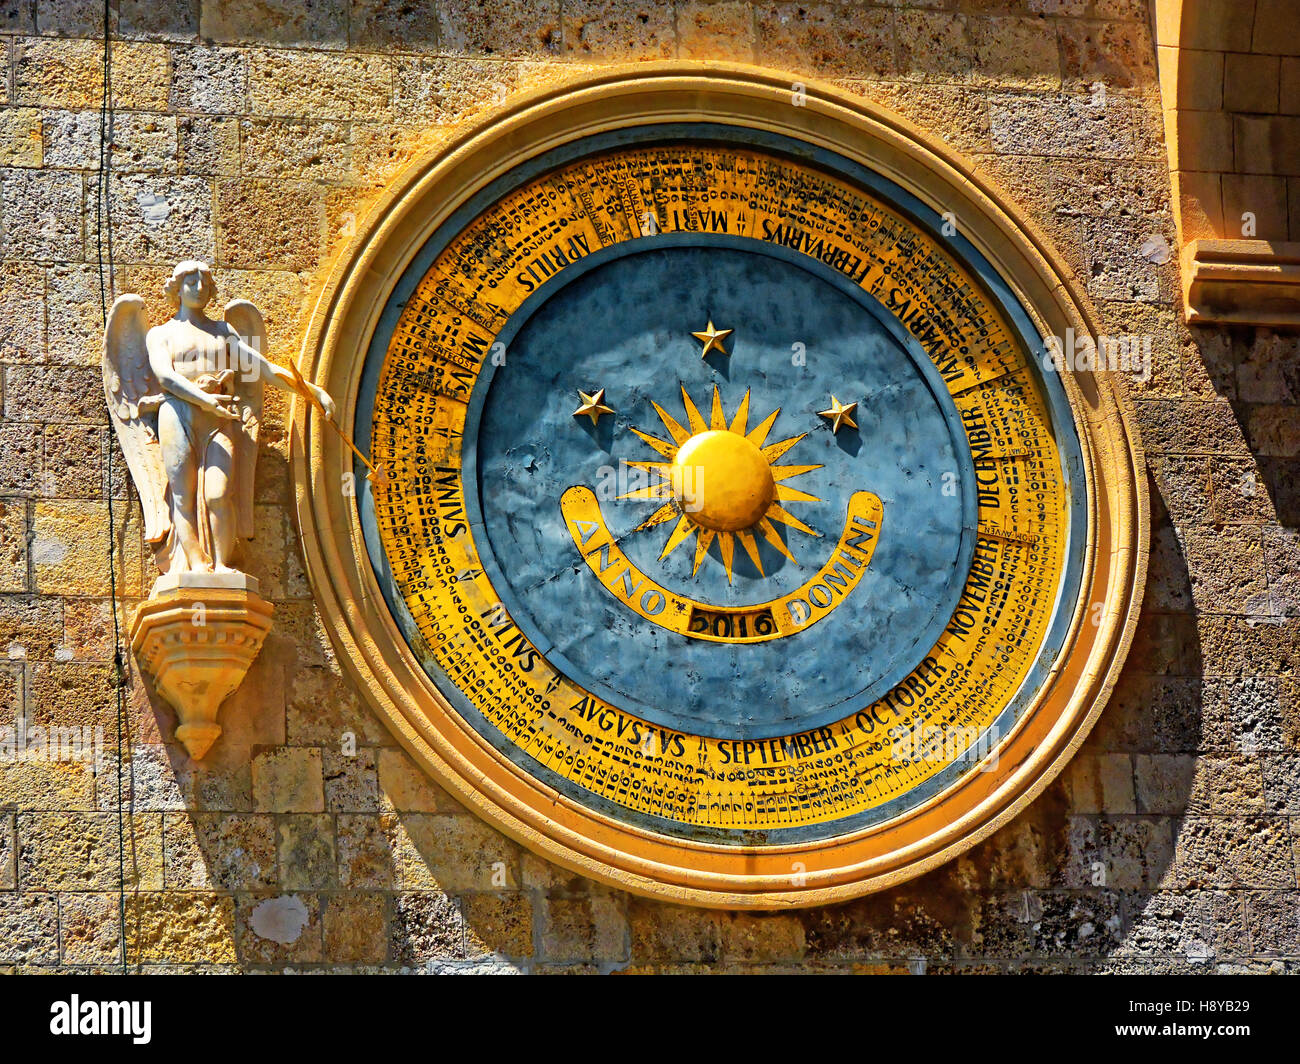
x=1246, y=282
x=197, y=635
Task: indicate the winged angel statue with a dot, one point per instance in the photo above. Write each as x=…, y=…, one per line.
x=186, y=401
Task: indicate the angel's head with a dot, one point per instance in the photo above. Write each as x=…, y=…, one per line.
x=190, y=285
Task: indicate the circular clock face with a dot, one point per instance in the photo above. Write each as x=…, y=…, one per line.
x=730, y=538
x=726, y=494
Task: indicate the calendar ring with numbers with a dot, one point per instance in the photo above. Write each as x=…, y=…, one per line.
x=736, y=541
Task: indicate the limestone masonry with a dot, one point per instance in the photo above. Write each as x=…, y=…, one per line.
x=255, y=136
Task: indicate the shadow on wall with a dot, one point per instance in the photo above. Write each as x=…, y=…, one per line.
x=1164, y=846
x=1074, y=882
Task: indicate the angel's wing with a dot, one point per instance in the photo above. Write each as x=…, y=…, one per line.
x=247, y=321
x=133, y=395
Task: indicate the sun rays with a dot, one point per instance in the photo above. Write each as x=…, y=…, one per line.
x=718, y=480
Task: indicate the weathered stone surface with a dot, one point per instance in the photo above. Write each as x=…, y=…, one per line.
x=306, y=848
x=1231, y=852
x=20, y=137
x=356, y=928
x=73, y=462
x=156, y=218
x=90, y=928
x=1099, y=783
x=8, y=867
x=321, y=24
x=70, y=549
x=269, y=222
x=22, y=322
x=1014, y=51
x=43, y=394
x=1054, y=125
x=1273, y=922
x=29, y=928
x=1118, y=55
x=1070, y=922
x=277, y=148
x=365, y=852
x=1122, y=853
x=181, y=928
x=964, y=117
x=42, y=215
x=618, y=31
x=212, y=80
x=426, y=926
x=1173, y=783
x=501, y=27
x=140, y=141
x=829, y=40
x=79, y=851
x=13, y=545
x=316, y=85
x=219, y=851
x=587, y=927
x=72, y=301
x=1226, y=566
x=708, y=30
x=409, y=790
x=383, y=25
x=498, y=924
x=70, y=73
x=145, y=19
x=662, y=933
x=39, y=785
x=440, y=89
x=1196, y=926
x=208, y=145
x=452, y=853
x=278, y=929
x=289, y=780
x=323, y=708
x=933, y=45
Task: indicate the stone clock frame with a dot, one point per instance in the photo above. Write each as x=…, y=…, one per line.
x=390, y=676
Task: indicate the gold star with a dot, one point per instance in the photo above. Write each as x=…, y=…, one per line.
x=593, y=406
x=712, y=339
x=839, y=414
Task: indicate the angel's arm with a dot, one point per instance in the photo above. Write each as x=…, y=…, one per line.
x=160, y=361
x=270, y=373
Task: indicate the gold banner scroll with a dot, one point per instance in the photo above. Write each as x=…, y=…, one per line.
x=725, y=624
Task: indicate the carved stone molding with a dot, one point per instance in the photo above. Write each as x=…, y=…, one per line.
x=197, y=636
x=1242, y=282
x=1232, y=112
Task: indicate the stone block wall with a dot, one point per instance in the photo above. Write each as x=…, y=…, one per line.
x=253, y=135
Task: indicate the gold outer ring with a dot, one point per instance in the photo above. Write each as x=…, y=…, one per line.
x=368, y=642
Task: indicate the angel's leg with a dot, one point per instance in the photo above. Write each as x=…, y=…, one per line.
x=181, y=463
x=218, y=493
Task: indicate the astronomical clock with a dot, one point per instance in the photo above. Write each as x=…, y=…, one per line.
x=723, y=530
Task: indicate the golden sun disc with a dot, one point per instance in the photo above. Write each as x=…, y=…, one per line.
x=722, y=481
x=739, y=467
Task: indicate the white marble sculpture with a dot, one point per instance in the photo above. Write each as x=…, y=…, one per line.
x=186, y=401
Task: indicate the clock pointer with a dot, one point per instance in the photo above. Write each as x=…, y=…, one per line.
x=377, y=475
